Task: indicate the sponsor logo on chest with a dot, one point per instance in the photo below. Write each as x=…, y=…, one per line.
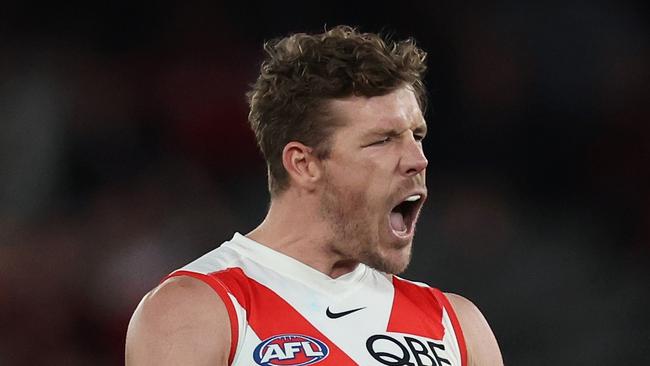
x=290, y=350
x=397, y=349
x=391, y=349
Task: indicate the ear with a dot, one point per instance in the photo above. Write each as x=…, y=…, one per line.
x=301, y=164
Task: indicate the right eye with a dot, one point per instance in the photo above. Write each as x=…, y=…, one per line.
x=382, y=141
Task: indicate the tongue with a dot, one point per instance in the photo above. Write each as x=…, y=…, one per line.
x=397, y=221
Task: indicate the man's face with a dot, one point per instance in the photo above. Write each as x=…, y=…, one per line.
x=374, y=182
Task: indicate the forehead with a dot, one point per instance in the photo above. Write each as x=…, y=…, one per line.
x=396, y=110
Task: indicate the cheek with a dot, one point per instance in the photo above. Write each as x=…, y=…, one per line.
x=364, y=188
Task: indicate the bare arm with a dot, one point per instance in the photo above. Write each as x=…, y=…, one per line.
x=181, y=322
x=482, y=347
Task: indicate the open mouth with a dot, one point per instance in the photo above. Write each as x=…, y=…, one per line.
x=402, y=217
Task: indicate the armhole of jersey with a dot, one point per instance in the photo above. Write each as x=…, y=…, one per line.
x=222, y=291
x=455, y=323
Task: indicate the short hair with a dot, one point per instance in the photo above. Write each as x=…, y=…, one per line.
x=301, y=72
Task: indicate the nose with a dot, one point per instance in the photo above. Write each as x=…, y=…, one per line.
x=413, y=161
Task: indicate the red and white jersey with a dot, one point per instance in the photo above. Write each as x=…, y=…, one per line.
x=283, y=312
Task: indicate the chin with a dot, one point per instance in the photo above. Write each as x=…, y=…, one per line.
x=395, y=261
x=397, y=267
x=401, y=265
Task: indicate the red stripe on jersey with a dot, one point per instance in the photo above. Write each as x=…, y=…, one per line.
x=455, y=323
x=270, y=315
x=221, y=290
x=415, y=311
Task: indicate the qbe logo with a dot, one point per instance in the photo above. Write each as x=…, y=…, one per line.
x=290, y=350
x=406, y=350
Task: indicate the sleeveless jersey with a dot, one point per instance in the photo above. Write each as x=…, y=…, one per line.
x=283, y=312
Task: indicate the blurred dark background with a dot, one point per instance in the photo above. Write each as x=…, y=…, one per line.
x=124, y=154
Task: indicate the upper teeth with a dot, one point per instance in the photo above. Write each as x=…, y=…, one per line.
x=413, y=198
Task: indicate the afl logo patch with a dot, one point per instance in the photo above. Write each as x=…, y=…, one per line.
x=290, y=350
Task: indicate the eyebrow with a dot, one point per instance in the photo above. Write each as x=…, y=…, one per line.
x=421, y=128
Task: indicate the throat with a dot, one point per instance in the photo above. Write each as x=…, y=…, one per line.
x=342, y=268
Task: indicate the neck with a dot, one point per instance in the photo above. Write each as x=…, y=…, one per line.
x=294, y=227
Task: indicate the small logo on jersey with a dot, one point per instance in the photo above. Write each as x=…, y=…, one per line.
x=332, y=315
x=290, y=350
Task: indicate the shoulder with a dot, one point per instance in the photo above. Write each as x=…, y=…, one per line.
x=182, y=321
x=482, y=346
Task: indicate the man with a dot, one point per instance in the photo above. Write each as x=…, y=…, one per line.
x=338, y=117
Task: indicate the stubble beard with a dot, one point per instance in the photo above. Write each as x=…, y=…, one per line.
x=347, y=214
